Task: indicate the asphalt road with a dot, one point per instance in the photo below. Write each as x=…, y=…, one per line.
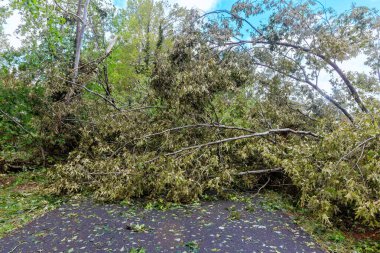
x=220, y=226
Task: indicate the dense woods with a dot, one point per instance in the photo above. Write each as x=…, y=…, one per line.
x=161, y=102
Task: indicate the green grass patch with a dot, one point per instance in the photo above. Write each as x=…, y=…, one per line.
x=331, y=238
x=23, y=197
x=137, y=250
x=192, y=246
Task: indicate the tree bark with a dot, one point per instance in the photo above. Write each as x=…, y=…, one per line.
x=81, y=27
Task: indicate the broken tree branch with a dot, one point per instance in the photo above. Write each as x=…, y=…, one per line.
x=314, y=86
x=324, y=58
x=269, y=132
x=356, y=148
x=258, y=172
x=197, y=126
x=273, y=131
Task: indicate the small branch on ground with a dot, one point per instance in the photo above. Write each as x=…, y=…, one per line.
x=16, y=247
x=262, y=187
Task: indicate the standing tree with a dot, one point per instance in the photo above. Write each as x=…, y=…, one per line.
x=301, y=42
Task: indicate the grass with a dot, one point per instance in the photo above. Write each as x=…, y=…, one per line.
x=192, y=246
x=23, y=198
x=137, y=250
x=333, y=239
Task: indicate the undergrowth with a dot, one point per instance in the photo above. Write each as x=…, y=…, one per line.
x=343, y=238
x=23, y=198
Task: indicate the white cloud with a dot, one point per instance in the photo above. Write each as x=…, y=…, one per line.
x=204, y=5
x=355, y=65
x=11, y=26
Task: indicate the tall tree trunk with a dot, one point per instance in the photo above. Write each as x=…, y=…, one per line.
x=147, y=45
x=79, y=23
x=81, y=27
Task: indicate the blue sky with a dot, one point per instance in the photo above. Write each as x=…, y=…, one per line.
x=338, y=5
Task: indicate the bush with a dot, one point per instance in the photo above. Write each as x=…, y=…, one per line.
x=19, y=124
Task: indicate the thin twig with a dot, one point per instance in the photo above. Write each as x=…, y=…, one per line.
x=262, y=187
x=68, y=12
x=143, y=108
x=357, y=164
x=103, y=97
x=16, y=247
x=17, y=123
x=357, y=147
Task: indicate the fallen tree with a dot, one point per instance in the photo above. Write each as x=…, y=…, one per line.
x=181, y=106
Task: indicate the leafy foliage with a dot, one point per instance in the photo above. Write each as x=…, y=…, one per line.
x=178, y=106
x=19, y=108
x=345, y=180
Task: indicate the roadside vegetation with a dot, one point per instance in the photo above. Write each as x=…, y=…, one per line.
x=23, y=198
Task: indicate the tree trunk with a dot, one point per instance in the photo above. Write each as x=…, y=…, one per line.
x=81, y=27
